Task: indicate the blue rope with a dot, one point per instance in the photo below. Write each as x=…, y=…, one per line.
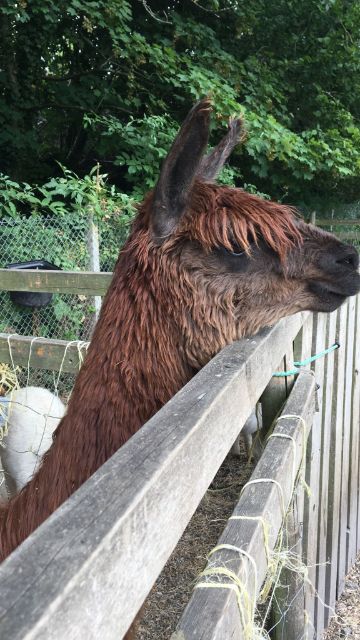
x=303, y=363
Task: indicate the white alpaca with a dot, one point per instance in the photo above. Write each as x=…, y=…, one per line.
x=251, y=435
x=33, y=413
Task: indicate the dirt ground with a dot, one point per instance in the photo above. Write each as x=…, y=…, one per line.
x=346, y=622
x=174, y=585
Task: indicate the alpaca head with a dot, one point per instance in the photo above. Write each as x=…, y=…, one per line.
x=230, y=262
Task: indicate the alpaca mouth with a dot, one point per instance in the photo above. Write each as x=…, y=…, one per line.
x=336, y=293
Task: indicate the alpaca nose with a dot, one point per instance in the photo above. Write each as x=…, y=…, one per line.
x=348, y=257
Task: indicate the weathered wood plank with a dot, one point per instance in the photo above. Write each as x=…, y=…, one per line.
x=78, y=282
x=45, y=353
x=93, y=245
x=303, y=342
x=350, y=434
x=68, y=579
x=356, y=421
x=348, y=235
x=313, y=455
x=4, y=488
x=354, y=488
x=335, y=458
x=325, y=472
x=212, y=613
x=291, y=625
x=272, y=402
x=274, y=397
x=277, y=390
x=344, y=536
x=334, y=222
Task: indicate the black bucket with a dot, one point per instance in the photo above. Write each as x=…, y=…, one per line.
x=32, y=298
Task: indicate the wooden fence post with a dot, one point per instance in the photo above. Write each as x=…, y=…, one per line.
x=81, y=582
x=94, y=259
x=313, y=453
x=354, y=479
x=94, y=245
x=335, y=457
x=346, y=452
x=276, y=392
x=325, y=474
x=289, y=614
x=4, y=493
x=290, y=598
x=214, y=613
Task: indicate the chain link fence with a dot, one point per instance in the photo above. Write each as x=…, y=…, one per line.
x=65, y=243
x=343, y=220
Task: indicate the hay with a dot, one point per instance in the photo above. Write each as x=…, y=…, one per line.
x=174, y=586
x=8, y=378
x=346, y=621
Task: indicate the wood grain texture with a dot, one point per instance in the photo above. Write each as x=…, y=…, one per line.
x=4, y=486
x=77, y=282
x=335, y=458
x=357, y=374
x=86, y=571
x=348, y=235
x=44, y=353
x=325, y=472
x=354, y=479
x=291, y=624
x=313, y=456
x=346, y=454
x=335, y=222
x=274, y=397
x=303, y=342
x=213, y=613
x=93, y=246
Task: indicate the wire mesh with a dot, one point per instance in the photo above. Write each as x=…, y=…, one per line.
x=63, y=242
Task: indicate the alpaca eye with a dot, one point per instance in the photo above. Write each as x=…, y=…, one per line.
x=235, y=259
x=235, y=251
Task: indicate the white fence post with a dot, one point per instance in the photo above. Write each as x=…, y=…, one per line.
x=94, y=260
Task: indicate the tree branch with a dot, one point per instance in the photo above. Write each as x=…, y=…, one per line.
x=152, y=14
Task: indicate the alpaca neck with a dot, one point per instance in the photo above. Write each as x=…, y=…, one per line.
x=133, y=366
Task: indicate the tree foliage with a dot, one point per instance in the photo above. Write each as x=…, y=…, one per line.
x=109, y=81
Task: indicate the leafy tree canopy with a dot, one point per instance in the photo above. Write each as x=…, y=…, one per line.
x=86, y=81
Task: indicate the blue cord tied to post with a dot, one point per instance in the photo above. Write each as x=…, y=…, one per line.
x=303, y=363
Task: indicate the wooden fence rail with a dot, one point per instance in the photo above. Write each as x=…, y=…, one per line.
x=346, y=235
x=42, y=353
x=328, y=514
x=68, y=579
x=81, y=283
x=214, y=613
x=337, y=222
x=96, y=284
x=86, y=571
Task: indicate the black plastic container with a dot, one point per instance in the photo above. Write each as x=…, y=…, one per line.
x=32, y=298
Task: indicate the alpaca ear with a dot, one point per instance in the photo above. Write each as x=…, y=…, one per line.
x=179, y=171
x=212, y=164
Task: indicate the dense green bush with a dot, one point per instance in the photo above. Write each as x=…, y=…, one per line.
x=110, y=81
x=51, y=222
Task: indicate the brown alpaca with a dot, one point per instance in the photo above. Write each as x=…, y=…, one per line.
x=204, y=265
